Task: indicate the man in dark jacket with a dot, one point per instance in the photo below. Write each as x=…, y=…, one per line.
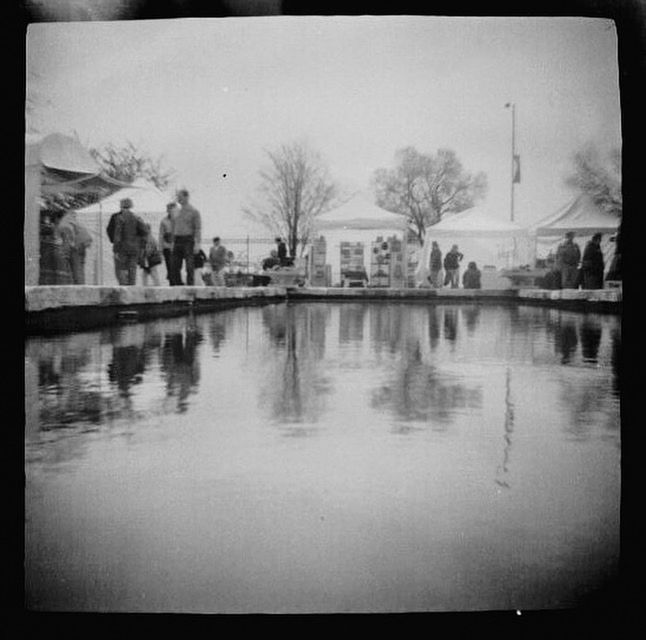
x=112, y=224
x=568, y=256
x=129, y=230
x=452, y=267
x=592, y=264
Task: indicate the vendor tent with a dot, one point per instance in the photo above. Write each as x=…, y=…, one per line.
x=482, y=237
x=149, y=203
x=583, y=217
x=55, y=163
x=358, y=220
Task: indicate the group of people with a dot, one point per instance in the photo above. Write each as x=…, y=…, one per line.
x=178, y=246
x=277, y=257
x=64, y=244
x=471, y=278
x=134, y=246
x=570, y=269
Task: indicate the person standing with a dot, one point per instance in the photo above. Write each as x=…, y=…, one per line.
x=218, y=260
x=281, y=252
x=129, y=230
x=187, y=237
x=435, y=266
x=452, y=267
x=568, y=256
x=472, y=277
x=76, y=241
x=592, y=264
x=166, y=237
x=124, y=204
x=149, y=258
x=54, y=265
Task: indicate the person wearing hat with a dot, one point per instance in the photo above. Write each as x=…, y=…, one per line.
x=568, y=256
x=129, y=229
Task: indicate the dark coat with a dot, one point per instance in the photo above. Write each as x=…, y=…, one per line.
x=471, y=279
x=592, y=258
x=436, y=259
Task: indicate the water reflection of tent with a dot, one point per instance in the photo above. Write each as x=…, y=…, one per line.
x=583, y=217
x=55, y=164
x=148, y=202
x=357, y=220
x=481, y=236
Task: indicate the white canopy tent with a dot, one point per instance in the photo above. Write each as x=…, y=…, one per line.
x=55, y=163
x=583, y=217
x=483, y=238
x=357, y=220
x=149, y=203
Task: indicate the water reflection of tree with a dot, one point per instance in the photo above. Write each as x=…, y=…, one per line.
x=294, y=390
x=420, y=392
x=180, y=365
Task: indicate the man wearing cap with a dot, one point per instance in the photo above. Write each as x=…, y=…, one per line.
x=129, y=229
x=568, y=256
x=187, y=237
x=124, y=204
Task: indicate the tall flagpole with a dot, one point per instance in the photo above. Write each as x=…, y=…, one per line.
x=514, y=168
x=513, y=153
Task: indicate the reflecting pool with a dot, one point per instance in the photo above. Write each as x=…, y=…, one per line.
x=310, y=457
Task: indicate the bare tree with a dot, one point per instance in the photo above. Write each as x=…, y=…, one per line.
x=293, y=190
x=423, y=187
x=598, y=176
x=127, y=163
x=122, y=163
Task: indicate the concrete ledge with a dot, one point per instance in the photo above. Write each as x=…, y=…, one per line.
x=75, y=308
x=42, y=298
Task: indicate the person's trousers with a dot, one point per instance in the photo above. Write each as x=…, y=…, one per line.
x=217, y=277
x=453, y=277
x=436, y=278
x=183, y=252
x=168, y=261
x=126, y=268
x=150, y=274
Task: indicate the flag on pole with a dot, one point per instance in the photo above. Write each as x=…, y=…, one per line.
x=516, y=168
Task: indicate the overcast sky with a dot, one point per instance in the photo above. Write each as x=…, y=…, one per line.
x=211, y=94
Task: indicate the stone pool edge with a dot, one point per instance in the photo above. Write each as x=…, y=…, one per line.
x=77, y=307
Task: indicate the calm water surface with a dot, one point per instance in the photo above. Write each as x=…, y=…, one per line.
x=324, y=458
